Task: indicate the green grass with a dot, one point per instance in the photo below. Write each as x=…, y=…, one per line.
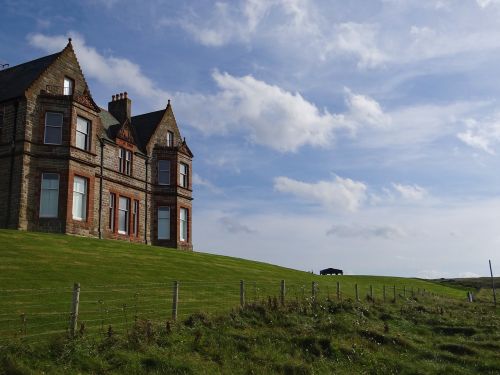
x=121, y=282
x=425, y=335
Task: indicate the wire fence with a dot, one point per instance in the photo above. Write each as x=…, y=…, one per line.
x=35, y=314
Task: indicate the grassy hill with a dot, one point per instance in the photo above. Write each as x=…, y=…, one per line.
x=121, y=281
x=128, y=287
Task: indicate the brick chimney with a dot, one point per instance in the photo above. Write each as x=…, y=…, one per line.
x=120, y=107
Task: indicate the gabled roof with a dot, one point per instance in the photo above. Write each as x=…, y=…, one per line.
x=145, y=126
x=16, y=80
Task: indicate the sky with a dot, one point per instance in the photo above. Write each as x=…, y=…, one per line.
x=361, y=135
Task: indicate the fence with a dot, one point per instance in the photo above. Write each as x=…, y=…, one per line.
x=34, y=314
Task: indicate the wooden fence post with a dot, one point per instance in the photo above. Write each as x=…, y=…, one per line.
x=242, y=293
x=282, y=292
x=357, y=292
x=394, y=292
x=74, y=309
x=371, y=293
x=313, y=290
x=493, y=285
x=384, y=293
x=338, y=290
x=175, y=300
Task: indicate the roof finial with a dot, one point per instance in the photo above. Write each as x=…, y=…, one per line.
x=168, y=102
x=69, y=40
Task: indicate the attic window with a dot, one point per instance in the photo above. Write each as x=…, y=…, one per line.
x=68, y=86
x=170, y=139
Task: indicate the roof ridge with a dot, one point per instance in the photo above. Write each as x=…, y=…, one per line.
x=148, y=113
x=53, y=55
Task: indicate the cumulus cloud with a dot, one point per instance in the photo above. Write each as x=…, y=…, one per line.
x=339, y=194
x=232, y=225
x=271, y=116
x=410, y=192
x=365, y=231
x=115, y=72
x=364, y=110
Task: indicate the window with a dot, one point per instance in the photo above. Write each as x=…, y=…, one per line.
x=112, y=205
x=53, y=128
x=164, y=172
x=184, y=225
x=82, y=133
x=135, y=218
x=183, y=175
x=68, y=86
x=170, y=139
x=125, y=161
x=49, y=195
x=163, y=223
x=79, y=198
x=123, y=215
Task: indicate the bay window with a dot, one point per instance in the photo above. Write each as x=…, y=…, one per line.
x=53, y=128
x=163, y=223
x=164, y=172
x=183, y=235
x=123, y=215
x=183, y=175
x=49, y=195
x=82, y=133
x=80, y=192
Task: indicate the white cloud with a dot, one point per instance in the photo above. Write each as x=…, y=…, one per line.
x=234, y=226
x=200, y=181
x=366, y=231
x=468, y=274
x=114, y=72
x=271, y=116
x=361, y=41
x=339, y=194
x=485, y=3
x=410, y=192
x=482, y=135
x=364, y=110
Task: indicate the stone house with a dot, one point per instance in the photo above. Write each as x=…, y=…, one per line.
x=69, y=166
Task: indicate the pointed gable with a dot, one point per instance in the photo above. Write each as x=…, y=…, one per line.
x=145, y=125
x=126, y=133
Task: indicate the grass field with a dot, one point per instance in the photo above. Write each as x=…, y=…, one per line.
x=128, y=287
x=121, y=282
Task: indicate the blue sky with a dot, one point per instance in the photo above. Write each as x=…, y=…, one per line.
x=362, y=135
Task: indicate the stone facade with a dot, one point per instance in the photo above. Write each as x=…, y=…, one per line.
x=116, y=161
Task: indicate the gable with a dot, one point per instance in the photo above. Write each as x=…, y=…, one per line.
x=126, y=133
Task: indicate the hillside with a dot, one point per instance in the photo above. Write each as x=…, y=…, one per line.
x=122, y=281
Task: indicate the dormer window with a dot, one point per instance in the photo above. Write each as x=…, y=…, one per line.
x=68, y=86
x=170, y=139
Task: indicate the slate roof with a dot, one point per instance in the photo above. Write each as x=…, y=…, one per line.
x=16, y=80
x=145, y=125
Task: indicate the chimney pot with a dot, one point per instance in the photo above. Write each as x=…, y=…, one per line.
x=113, y=98
x=125, y=94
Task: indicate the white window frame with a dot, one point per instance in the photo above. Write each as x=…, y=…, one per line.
x=163, y=222
x=60, y=126
x=183, y=227
x=164, y=171
x=112, y=206
x=126, y=212
x=83, y=198
x=170, y=138
x=68, y=86
x=84, y=134
x=135, y=218
x=45, y=195
x=183, y=175
x=125, y=161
